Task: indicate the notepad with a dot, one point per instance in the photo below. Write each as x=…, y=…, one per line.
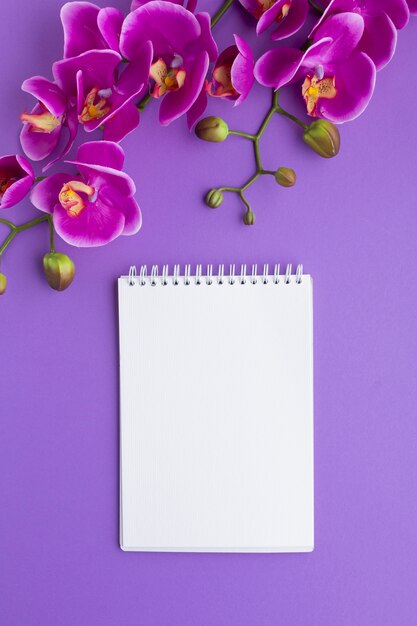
x=216, y=410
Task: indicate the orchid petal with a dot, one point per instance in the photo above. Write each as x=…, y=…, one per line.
x=38, y=146
x=197, y=109
x=125, y=121
x=178, y=102
x=44, y=196
x=98, y=224
x=47, y=92
x=81, y=33
x=346, y=30
x=355, y=83
x=379, y=39
x=169, y=26
x=109, y=23
x=242, y=70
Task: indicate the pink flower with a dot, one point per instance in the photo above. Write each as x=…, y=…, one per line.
x=182, y=47
x=233, y=72
x=95, y=206
x=43, y=126
x=16, y=179
x=338, y=79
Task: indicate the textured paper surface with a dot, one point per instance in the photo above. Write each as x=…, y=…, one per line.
x=216, y=416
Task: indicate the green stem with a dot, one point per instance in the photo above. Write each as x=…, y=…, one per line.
x=316, y=6
x=18, y=229
x=233, y=189
x=7, y=223
x=245, y=202
x=51, y=234
x=142, y=103
x=250, y=181
x=257, y=154
x=260, y=171
x=238, y=133
x=295, y=119
x=219, y=14
x=8, y=240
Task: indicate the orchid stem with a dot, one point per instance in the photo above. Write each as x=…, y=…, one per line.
x=295, y=119
x=219, y=14
x=255, y=139
x=245, y=202
x=18, y=229
x=241, y=134
x=51, y=234
x=316, y=6
x=142, y=103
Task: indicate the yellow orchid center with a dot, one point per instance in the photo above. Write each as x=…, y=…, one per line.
x=167, y=78
x=44, y=122
x=95, y=105
x=71, y=200
x=314, y=88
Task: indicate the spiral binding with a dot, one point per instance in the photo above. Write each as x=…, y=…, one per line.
x=233, y=277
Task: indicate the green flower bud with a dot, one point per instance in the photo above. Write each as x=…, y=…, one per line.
x=3, y=284
x=285, y=176
x=59, y=270
x=214, y=198
x=323, y=137
x=212, y=129
x=249, y=218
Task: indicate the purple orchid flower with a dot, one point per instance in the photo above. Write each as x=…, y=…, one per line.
x=102, y=94
x=338, y=79
x=190, y=5
x=232, y=79
x=95, y=206
x=287, y=15
x=87, y=27
x=16, y=179
x=42, y=128
x=182, y=49
x=412, y=5
x=233, y=73
x=381, y=18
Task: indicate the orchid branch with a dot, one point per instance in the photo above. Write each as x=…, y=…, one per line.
x=284, y=176
x=219, y=14
x=316, y=7
x=15, y=230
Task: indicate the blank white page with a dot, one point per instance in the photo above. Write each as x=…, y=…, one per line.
x=216, y=413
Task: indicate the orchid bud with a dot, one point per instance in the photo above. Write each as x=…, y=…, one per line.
x=285, y=176
x=59, y=270
x=323, y=137
x=249, y=218
x=3, y=284
x=214, y=198
x=212, y=129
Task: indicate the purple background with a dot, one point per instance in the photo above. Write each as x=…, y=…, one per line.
x=352, y=222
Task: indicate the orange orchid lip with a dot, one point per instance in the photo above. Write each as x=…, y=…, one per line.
x=70, y=198
x=44, y=122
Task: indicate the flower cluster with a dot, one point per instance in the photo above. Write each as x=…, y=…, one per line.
x=113, y=65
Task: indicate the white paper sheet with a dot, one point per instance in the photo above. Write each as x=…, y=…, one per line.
x=216, y=413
